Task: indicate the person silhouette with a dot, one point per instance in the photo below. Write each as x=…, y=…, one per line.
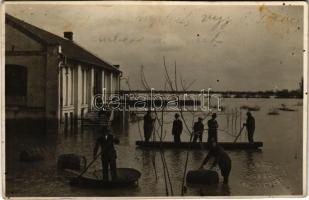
x=108, y=153
x=221, y=158
x=177, y=128
x=250, y=126
x=212, y=128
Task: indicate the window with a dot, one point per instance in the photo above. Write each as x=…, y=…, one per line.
x=15, y=80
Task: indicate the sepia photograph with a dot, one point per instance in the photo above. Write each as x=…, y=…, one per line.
x=154, y=99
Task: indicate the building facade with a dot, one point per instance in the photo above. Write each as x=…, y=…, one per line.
x=51, y=79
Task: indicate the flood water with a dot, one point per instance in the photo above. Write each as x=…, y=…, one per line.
x=275, y=170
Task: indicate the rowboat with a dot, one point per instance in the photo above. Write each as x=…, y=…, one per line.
x=250, y=108
x=273, y=112
x=286, y=109
x=197, y=145
x=125, y=177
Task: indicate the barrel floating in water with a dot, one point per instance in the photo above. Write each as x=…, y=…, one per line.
x=71, y=161
x=202, y=176
x=30, y=155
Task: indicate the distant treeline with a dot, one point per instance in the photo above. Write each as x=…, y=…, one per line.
x=264, y=94
x=230, y=94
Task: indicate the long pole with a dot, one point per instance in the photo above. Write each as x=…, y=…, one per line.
x=84, y=171
x=95, y=158
x=185, y=171
x=239, y=134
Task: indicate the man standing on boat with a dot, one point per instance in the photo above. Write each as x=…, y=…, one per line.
x=198, y=130
x=250, y=125
x=221, y=158
x=177, y=128
x=212, y=128
x=148, y=125
x=108, y=153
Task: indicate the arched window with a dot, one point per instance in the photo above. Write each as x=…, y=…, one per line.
x=15, y=80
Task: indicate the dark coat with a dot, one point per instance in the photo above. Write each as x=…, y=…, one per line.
x=221, y=158
x=250, y=123
x=107, y=147
x=198, y=128
x=177, y=127
x=212, y=126
x=148, y=122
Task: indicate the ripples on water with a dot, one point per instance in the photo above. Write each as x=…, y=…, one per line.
x=275, y=170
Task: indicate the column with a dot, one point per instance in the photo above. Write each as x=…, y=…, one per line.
x=112, y=84
x=77, y=91
x=91, y=88
x=103, y=83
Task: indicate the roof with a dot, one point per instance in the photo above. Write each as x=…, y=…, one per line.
x=69, y=48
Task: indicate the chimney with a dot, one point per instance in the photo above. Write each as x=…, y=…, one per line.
x=68, y=35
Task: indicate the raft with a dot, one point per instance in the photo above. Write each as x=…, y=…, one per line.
x=203, y=145
x=126, y=177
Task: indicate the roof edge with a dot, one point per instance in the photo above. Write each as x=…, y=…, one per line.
x=17, y=23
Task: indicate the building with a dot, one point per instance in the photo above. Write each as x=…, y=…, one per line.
x=50, y=78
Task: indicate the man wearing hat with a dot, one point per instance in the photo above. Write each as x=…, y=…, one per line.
x=108, y=153
x=198, y=130
x=177, y=128
x=212, y=128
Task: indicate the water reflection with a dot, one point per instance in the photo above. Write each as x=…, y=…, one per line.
x=177, y=156
x=253, y=172
x=199, y=155
x=211, y=190
x=250, y=160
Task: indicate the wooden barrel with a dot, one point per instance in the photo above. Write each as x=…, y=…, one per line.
x=31, y=155
x=71, y=161
x=202, y=176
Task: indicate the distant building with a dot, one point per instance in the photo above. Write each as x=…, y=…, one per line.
x=49, y=78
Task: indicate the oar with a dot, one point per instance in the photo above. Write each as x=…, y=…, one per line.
x=84, y=171
x=239, y=133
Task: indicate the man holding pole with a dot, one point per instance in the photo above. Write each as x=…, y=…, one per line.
x=250, y=125
x=108, y=153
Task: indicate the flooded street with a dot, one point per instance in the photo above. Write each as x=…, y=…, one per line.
x=274, y=170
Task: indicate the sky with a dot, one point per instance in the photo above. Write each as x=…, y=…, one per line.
x=231, y=47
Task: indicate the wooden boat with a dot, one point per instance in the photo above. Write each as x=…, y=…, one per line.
x=197, y=145
x=126, y=177
x=286, y=109
x=273, y=112
x=250, y=108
